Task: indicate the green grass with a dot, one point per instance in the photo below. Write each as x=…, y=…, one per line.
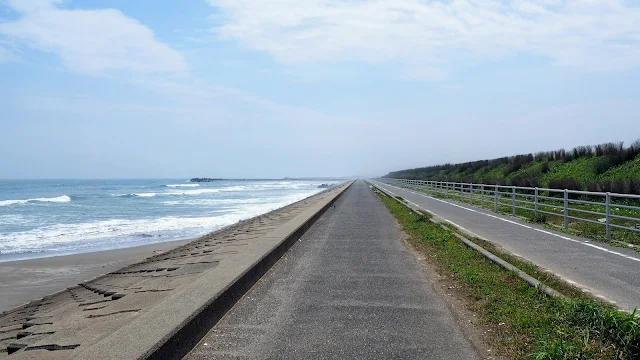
x=580, y=169
x=526, y=323
x=630, y=169
x=531, y=169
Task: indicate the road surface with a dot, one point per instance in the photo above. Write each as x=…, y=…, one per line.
x=606, y=271
x=348, y=289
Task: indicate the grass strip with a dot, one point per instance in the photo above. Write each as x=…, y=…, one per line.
x=527, y=324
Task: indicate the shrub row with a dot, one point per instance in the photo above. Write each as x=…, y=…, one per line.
x=609, y=155
x=615, y=151
x=629, y=186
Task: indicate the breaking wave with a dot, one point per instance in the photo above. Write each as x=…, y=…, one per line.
x=59, y=199
x=234, y=188
x=184, y=192
x=79, y=237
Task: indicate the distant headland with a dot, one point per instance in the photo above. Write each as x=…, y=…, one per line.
x=198, y=180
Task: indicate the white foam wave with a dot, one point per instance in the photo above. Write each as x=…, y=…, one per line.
x=267, y=186
x=12, y=202
x=216, y=202
x=108, y=233
x=182, y=185
x=146, y=194
x=59, y=199
x=284, y=185
x=183, y=192
x=241, y=188
x=11, y=219
x=193, y=192
x=234, y=188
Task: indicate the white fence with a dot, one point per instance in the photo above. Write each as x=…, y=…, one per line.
x=609, y=209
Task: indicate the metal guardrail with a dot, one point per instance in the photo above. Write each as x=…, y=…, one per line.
x=539, y=201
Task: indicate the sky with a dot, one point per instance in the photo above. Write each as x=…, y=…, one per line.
x=302, y=88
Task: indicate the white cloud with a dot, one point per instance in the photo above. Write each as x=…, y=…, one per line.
x=32, y=5
x=427, y=35
x=91, y=41
x=6, y=55
x=214, y=100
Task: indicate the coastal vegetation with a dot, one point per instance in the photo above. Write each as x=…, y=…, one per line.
x=610, y=167
x=519, y=321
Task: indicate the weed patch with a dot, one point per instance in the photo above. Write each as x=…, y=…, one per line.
x=528, y=324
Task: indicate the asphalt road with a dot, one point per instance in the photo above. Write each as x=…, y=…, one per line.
x=348, y=289
x=606, y=271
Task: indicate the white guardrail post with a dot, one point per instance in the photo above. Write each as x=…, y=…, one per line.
x=536, y=203
x=496, y=195
x=513, y=200
x=566, y=208
x=471, y=194
x=482, y=196
x=608, y=212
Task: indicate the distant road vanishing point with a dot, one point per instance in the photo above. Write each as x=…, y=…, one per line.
x=348, y=289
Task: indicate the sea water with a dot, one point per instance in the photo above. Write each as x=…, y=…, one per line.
x=41, y=218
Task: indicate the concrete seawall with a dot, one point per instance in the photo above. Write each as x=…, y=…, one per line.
x=161, y=307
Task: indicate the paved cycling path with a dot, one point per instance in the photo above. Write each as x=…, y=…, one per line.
x=348, y=289
x=606, y=271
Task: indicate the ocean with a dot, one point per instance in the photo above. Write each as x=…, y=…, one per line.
x=42, y=218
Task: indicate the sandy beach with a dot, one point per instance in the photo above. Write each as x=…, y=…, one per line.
x=24, y=280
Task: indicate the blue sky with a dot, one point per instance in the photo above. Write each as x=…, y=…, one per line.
x=245, y=88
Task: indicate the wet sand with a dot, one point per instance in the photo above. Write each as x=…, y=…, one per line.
x=24, y=280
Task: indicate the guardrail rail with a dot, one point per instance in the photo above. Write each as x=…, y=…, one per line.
x=610, y=210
